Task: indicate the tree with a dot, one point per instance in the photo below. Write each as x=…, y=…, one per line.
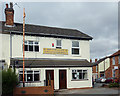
x=9, y=81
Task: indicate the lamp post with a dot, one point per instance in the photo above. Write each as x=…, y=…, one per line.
x=23, y=45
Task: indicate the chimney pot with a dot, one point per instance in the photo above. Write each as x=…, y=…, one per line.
x=90, y=60
x=11, y=5
x=95, y=60
x=6, y=5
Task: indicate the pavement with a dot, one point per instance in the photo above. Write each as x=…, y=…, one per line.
x=97, y=90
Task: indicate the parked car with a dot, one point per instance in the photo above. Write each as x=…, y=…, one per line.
x=110, y=80
x=100, y=80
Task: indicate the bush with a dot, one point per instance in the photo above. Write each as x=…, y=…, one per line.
x=9, y=81
x=113, y=85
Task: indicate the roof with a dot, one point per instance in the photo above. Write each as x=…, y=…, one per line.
x=115, y=54
x=36, y=63
x=99, y=61
x=38, y=30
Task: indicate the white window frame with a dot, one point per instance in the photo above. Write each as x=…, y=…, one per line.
x=32, y=45
x=25, y=73
x=113, y=61
x=76, y=71
x=57, y=46
x=75, y=48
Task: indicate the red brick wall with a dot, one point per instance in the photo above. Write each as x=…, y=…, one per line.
x=32, y=91
x=108, y=72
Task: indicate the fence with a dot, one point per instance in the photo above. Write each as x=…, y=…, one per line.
x=35, y=91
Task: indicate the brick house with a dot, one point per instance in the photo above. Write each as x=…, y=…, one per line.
x=114, y=69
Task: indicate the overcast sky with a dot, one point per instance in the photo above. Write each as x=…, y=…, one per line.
x=99, y=20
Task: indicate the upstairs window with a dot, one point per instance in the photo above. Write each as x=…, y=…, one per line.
x=58, y=44
x=32, y=46
x=75, y=47
x=113, y=61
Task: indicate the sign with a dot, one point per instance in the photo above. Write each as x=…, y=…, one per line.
x=115, y=67
x=55, y=51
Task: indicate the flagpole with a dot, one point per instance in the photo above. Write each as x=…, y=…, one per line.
x=23, y=45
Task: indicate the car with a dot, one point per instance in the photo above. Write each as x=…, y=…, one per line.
x=111, y=80
x=100, y=80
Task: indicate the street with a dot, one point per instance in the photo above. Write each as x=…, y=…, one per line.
x=93, y=91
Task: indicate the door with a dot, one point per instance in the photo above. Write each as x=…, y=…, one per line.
x=49, y=75
x=62, y=79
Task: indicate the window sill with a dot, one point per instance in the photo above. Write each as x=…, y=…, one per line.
x=31, y=82
x=80, y=80
x=76, y=55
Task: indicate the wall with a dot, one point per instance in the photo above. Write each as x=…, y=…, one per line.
x=5, y=48
x=109, y=72
x=44, y=42
x=70, y=83
x=107, y=65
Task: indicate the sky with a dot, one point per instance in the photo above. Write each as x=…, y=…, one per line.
x=97, y=19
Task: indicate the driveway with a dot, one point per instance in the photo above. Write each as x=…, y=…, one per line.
x=93, y=91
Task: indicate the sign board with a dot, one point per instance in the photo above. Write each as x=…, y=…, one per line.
x=115, y=67
x=55, y=51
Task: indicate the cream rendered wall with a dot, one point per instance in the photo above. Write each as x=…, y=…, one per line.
x=45, y=42
x=5, y=49
x=101, y=65
x=70, y=84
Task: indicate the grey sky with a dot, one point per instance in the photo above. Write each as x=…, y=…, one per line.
x=99, y=20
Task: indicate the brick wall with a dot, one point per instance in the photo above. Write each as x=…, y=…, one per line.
x=109, y=72
x=32, y=91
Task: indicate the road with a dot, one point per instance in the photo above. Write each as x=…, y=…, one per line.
x=90, y=92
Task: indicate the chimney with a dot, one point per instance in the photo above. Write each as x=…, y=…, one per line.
x=90, y=60
x=95, y=60
x=9, y=14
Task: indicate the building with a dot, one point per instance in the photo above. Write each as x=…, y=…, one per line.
x=100, y=67
x=114, y=69
x=51, y=53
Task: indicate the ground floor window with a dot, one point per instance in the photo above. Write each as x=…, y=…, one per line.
x=79, y=74
x=29, y=75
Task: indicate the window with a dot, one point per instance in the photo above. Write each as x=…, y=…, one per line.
x=58, y=44
x=119, y=59
x=113, y=73
x=79, y=74
x=31, y=46
x=113, y=61
x=29, y=75
x=75, y=47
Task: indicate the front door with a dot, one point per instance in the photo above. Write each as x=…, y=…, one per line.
x=49, y=75
x=62, y=79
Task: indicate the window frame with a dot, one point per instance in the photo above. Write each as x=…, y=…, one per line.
x=75, y=48
x=34, y=45
x=57, y=46
x=26, y=74
x=77, y=74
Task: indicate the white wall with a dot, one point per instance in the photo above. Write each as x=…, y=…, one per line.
x=106, y=62
x=45, y=42
x=70, y=84
x=5, y=49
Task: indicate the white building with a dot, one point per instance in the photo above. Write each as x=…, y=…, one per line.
x=52, y=53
